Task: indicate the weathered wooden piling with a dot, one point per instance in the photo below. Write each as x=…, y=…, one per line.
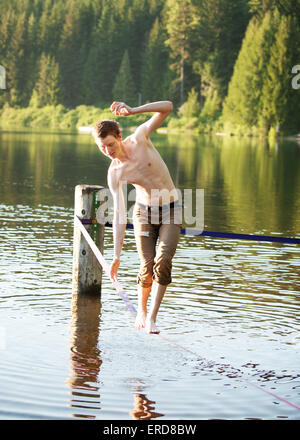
x=87, y=272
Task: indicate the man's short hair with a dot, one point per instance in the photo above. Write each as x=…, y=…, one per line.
x=106, y=127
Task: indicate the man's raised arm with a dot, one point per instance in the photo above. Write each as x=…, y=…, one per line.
x=161, y=109
x=119, y=221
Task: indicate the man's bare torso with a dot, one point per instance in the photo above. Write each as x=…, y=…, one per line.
x=145, y=170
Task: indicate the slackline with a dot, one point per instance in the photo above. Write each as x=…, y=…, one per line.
x=195, y=232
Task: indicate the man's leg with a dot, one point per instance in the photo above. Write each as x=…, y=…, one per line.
x=143, y=295
x=168, y=239
x=146, y=236
x=157, y=294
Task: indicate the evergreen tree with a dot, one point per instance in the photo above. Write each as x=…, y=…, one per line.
x=285, y=7
x=141, y=16
x=5, y=35
x=33, y=53
x=179, y=17
x=124, y=88
x=173, y=47
x=16, y=61
x=217, y=32
x=6, y=26
x=243, y=103
x=281, y=103
x=155, y=72
x=91, y=75
x=47, y=88
x=70, y=58
x=109, y=49
x=51, y=25
x=260, y=92
x=191, y=108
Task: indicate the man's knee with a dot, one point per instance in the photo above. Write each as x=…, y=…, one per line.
x=145, y=276
x=145, y=281
x=162, y=270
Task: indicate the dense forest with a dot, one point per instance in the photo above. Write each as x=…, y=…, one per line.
x=224, y=63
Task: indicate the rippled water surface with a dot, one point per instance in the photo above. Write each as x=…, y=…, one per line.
x=230, y=332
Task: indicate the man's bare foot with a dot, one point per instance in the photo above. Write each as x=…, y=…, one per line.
x=150, y=327
x=140, y=320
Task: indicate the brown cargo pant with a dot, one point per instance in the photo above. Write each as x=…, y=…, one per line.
x=152, y=224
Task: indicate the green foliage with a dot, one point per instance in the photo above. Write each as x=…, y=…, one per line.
x=285, y=7
x=86, y=53
x=179, y=18
x=191, y=108
x=260, y=93
x=58, y=116
x=124, y=88
x=218, y=29
x=87, y=38
x=211, y=110
x=188, y=114
x=155, y=73
x=242, y=104
x=281, y=103
x=47, y=89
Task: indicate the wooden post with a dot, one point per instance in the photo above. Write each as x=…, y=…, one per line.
x=87, y=272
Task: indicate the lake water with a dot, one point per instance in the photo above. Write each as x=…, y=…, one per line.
x=235, y=304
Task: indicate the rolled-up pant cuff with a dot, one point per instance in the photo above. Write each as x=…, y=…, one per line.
x=161, y=281
x=143, y=283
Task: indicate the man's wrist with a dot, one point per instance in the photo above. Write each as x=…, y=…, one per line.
x=134, y=110
x=116, y=258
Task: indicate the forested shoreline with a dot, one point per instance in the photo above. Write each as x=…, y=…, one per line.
x=225, y=64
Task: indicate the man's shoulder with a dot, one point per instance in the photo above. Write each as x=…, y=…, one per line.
x=114, y=174
x=140, y=138
x=140, y=132
x=114, y=168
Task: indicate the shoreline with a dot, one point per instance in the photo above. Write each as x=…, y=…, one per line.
x=162, y=130
x=82, y=119
x=87, y=129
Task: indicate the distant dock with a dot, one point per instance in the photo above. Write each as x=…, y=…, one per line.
x=85, y=130
x=295, y=137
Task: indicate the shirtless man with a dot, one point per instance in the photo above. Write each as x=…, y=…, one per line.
x=136, y=161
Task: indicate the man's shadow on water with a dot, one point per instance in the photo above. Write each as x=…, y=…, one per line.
x=143, y=407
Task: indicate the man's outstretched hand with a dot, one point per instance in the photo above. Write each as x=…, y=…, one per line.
x=121, y=109
x=114, y=269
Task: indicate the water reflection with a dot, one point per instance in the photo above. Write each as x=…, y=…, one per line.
x=234, y=302
x=249, y=186
x=85, y=356
x=143, y=407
